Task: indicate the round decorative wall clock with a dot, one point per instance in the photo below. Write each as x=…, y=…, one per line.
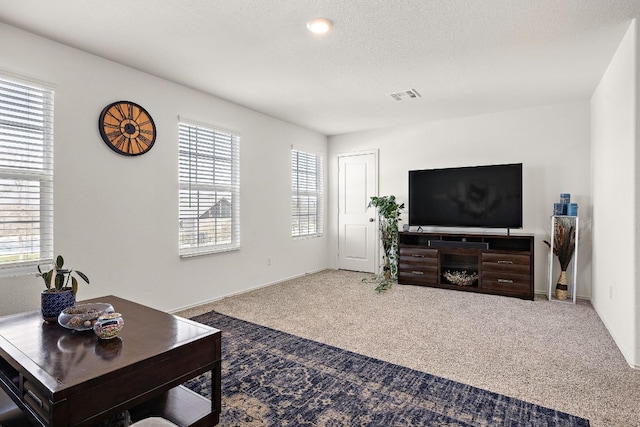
x=127, y=128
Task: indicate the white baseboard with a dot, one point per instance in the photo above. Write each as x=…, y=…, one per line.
x=244, y=291
x=546, y=294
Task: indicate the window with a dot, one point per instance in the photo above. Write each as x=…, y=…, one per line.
x=306, y=198
x=209, y=199
x=26, y=176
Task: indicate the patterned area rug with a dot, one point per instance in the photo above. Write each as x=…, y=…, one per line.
x=271, y=378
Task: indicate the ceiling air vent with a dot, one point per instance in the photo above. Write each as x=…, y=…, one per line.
x=405, y=94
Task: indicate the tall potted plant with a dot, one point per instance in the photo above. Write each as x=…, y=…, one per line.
x=61, y=288
x=389, y=212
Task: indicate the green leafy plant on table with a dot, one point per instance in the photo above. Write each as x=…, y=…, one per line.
x=57, y=279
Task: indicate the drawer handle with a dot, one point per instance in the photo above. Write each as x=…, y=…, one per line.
x=505, y=262
x=36, y=398
x=417, y=272
x=417, y=256
x=505, y=281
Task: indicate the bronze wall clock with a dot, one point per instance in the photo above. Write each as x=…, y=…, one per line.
x=127, y=128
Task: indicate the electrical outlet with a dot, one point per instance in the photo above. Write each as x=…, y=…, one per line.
x=268, y=260
x=610, y=291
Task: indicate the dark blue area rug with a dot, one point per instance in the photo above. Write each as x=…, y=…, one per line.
x=271, y=378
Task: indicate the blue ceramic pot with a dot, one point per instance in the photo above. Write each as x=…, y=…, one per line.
x=52, y=304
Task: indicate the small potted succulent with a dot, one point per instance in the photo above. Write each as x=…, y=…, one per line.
x=61, y=289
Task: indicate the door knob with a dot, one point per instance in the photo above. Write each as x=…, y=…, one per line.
x=372, y=220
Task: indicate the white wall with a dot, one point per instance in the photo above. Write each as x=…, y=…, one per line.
x=614, y=136
x=116, y=217
x=552, y=142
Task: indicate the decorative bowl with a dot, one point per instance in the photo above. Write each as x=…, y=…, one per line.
x=108, y=325
x=82, y=317
x=460, y=278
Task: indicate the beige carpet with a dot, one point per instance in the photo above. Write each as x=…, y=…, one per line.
x=554, y=354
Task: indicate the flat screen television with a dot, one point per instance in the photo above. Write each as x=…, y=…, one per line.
x=478, y=196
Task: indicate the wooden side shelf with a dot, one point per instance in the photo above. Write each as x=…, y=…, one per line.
x=179, y=405
x=503, y=263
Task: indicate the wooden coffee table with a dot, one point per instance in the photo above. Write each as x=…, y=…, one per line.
x=60, y=377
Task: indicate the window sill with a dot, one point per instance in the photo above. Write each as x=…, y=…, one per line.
x=208, y=251
x=310, y=236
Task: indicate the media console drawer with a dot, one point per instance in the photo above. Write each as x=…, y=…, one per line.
x=418, y=275
x=506, y=263
x=505, y=258
x=417, y=254
x=418, y=265
x=511, y=283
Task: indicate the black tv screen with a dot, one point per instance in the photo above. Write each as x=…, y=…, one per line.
x=479, y=196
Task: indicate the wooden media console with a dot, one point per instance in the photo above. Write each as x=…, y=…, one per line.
x=503, y=264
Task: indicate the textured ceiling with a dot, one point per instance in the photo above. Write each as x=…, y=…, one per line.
x=464, y=57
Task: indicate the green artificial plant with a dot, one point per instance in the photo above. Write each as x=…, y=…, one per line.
x=62, y=277
x=388, y=216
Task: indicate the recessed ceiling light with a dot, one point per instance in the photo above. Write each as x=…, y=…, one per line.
x=319, y=25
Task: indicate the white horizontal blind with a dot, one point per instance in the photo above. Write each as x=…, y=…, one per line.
x=26, y=176
x=306, y=198
x=209, y=199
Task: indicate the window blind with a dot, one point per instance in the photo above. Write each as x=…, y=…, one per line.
x=306, y=199
x=209, y=181
x=26, y=176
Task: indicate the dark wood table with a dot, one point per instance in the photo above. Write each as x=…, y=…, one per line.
x=60, y=377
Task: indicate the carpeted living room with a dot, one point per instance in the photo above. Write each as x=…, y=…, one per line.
x=552, y=355
x=213, y=170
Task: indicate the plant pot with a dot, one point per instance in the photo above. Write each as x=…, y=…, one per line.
x=52, y=303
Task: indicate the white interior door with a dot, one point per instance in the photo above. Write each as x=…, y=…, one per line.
x=357, y=223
